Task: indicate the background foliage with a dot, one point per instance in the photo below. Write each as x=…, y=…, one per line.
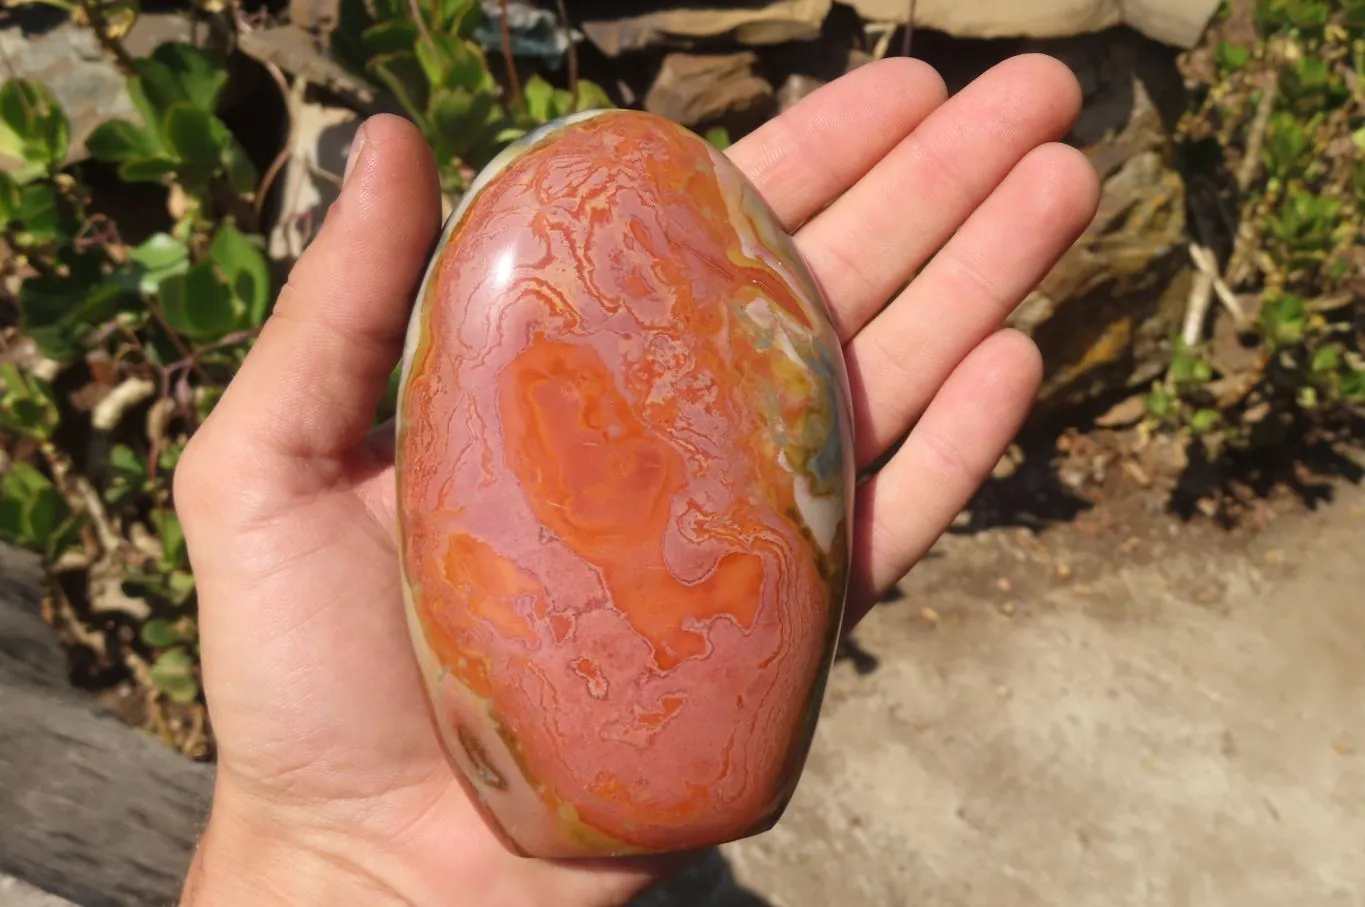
x=1286, y=116
x=156, y=330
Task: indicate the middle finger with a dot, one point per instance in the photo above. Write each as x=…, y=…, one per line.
x=867, y=244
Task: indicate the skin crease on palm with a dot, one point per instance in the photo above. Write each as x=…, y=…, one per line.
x=332, y=786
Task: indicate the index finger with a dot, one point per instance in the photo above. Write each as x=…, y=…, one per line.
x=805, y=158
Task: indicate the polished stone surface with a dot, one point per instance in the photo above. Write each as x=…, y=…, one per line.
x=625, y=486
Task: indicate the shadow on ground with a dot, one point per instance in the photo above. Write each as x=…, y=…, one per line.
x=710, y=882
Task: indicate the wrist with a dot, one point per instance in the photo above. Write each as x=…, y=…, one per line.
x=246, y=857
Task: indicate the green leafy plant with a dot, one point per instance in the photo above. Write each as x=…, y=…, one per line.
x=176, y=91
x=425, y=55
x=1289, y=112
x=33, y=130
x=1182, y=399
x=160, y=325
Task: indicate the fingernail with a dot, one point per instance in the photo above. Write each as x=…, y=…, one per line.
x=357, y=146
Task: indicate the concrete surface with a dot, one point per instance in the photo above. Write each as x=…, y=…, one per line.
x=1146, y=714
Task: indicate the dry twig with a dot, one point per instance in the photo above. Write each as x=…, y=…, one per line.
x=1260, y=123
x=293, y=98
x=909, y=28
x=1247, y=238
x=513, y=81
x=572, y=53
x=1204, y=260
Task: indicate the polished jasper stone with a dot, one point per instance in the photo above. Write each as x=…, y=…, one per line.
x=624, y=483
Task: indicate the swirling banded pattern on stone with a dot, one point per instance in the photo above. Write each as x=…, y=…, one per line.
x=624, y=487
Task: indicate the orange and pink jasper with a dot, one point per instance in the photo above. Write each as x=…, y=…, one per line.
x=625, y=485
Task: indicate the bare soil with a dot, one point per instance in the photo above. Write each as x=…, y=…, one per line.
x=1125, y=709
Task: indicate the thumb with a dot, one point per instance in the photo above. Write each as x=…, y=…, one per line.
x=311, y=383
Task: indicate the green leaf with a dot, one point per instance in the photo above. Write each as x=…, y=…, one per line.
x=1188, y=368
x=33, y=128
x=1273, y=15
x=1311, y=84
x=116, y=141
x=198, y=304
x=31, y=508
x=127, y=473
x=468, y=68
x=240, y=172
x=1326, y=359
x=193, y=134
x=160, y=633
x=28, y=407
x=173, y=674
x=160, y=89
x=201, y=77
x=174, y=553
x=39, y=212
x=539, y=97
x=592, y=96
x=147, y=170
x=1232, y=57
x=1159, y=402
x=147, y=110
x=1204, y=421
x=1283, y=319
x=458, y=17
x=1353, y=385
x=459, y=120
x=171, y=453
x=244, y=267
x=432, y=58
x=158, y=257
x=181, y=585
x=9, y=199
x=395, y=36
x=402, y=75
x=56, y=312
x=176, y=73
x=719, y=137
x=1286, y=143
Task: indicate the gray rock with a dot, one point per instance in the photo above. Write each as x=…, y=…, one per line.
x=68, y=60
x=1104, y=315
x=698, y=90
x=751, y=24
x=533, y=32
x=1178, y=22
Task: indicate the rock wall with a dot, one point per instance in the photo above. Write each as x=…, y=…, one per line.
x=1103, y=317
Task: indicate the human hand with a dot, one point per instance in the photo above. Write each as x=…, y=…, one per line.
x=332, y=784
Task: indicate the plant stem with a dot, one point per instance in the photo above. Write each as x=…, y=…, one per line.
x=909, y=28
x=572, y=54
x=100, y=26
x=513, y=82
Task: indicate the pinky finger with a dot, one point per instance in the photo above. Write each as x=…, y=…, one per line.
x=903, y=509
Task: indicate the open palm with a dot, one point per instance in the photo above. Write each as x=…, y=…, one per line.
x=332, y=785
